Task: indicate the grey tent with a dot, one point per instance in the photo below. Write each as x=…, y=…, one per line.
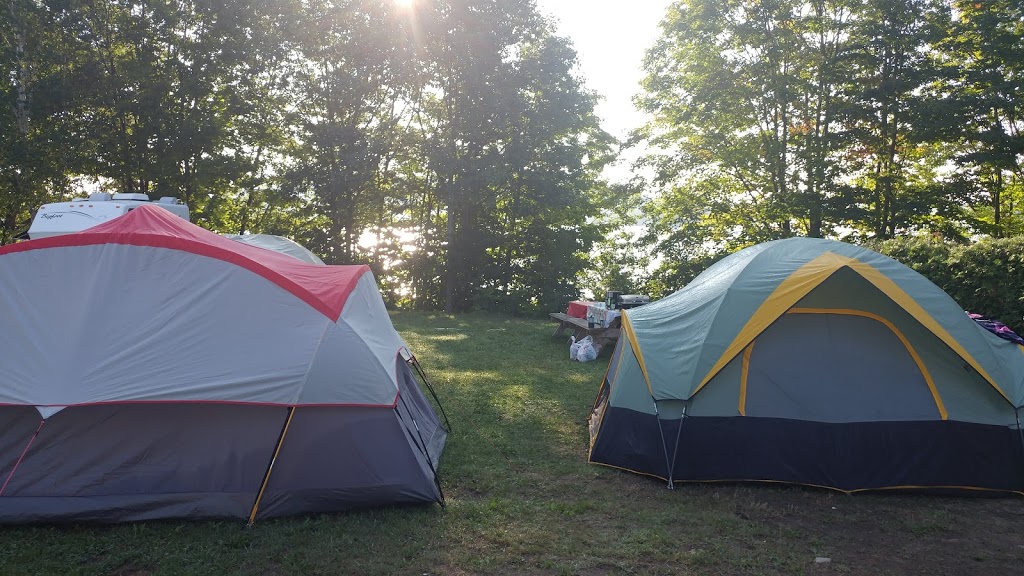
x=278, y=244
x=152, y=369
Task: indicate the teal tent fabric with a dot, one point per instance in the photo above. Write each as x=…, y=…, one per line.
x=685, y=334
x=814, y=362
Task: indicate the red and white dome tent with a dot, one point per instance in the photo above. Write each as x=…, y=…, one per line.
x=153, y=369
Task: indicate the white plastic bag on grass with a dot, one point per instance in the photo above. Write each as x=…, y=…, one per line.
x=586, y=351
x=574, y=348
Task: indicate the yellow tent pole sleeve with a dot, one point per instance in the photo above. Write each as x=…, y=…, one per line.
x=627, y=327
x=628, y=470
x=615, y=378
x=805, y=279
x=743, y=378
x=608, y=371
x=270, y=468
x=906, y=344
x=785, y=295
x=907, y=302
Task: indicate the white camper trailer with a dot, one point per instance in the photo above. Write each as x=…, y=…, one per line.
x=79, y=214
x=59, y=218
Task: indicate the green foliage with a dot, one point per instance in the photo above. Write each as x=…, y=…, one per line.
x=806, y=117
x=621, y=258
x=744, y=101
x=986, y=277
x=986, y=44
x=928, y=255
x=515, y=149
x=875, y=119
x=34, y=162
x=448, y=144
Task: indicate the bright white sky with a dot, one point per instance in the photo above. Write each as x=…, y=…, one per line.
x=610, y=37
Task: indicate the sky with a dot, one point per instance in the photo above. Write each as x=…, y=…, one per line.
x=610, y=37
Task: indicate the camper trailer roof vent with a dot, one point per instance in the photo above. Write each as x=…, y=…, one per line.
x=100, y=196
x=169, y=200
x=134, y=196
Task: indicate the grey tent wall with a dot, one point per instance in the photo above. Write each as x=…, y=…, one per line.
x=835, y=368
x=340, y=458
x=419, y=416
x=131, y=462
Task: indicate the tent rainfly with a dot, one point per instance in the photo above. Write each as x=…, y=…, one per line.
x=153, y=369
x=813, y=362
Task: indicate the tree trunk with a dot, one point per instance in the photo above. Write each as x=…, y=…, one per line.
x=997, y=202
x=452, y=264
x=21, y=108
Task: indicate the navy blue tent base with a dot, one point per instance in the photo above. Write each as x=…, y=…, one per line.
x=925, y=455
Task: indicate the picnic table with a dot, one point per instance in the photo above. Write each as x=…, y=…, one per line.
x=581, y=329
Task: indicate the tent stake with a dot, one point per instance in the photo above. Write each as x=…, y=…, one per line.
x=270, y=467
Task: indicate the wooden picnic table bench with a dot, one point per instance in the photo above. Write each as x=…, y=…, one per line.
x=580, y=329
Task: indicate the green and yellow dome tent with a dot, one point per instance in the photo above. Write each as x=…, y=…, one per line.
x=812, y=362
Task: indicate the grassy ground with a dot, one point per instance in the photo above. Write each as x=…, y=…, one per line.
x=523, y=500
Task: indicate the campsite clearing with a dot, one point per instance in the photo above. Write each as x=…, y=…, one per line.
x=523, y=500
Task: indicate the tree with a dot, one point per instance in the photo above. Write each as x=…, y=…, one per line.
x=889, y=105
x=987, y=46
x=33, y=131
x=816, y=117
x=553, y=153
x=513, y=148
x=743, y=94
x=162, y=91
x=356, y=69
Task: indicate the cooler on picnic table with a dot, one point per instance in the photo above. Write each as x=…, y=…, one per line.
x=578, y=309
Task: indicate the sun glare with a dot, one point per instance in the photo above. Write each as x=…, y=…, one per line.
x=404, y=3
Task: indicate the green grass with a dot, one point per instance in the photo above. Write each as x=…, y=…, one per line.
x=523, y=500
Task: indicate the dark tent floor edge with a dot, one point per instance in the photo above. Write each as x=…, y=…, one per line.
x=849, y=457
x=146, y=461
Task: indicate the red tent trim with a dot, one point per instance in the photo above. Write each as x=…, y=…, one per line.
x=325, y=288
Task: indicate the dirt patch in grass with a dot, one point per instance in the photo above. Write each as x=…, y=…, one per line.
x=904, y=534
x=781, y=530
x=132, y=570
